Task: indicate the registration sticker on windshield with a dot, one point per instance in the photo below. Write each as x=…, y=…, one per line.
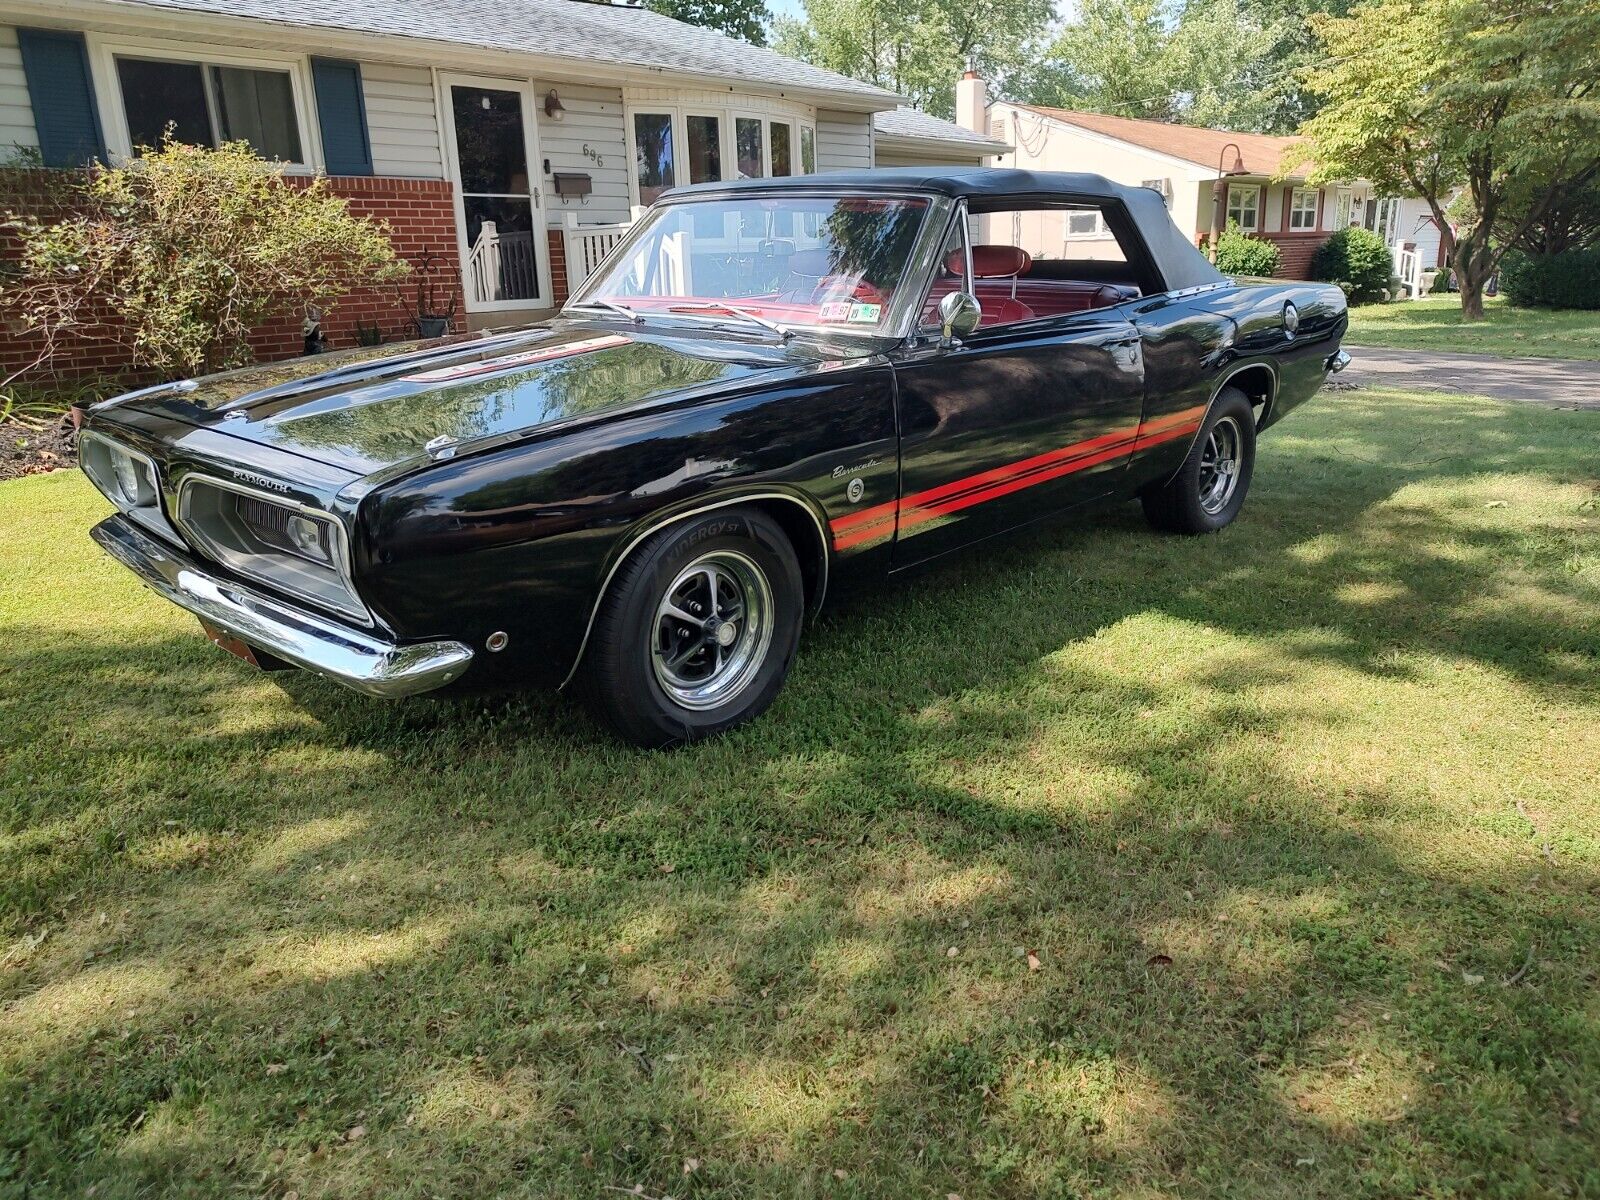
x=506, y=362
x=834, y=310
x=865, y=314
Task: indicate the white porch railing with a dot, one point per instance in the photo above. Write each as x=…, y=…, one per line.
x=502, y=266
x=588, y=245
x=1408, y=265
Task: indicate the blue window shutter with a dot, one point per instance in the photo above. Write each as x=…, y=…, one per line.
x=342, y=117
x=61, y=91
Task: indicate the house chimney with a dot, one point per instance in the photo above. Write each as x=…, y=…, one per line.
x=972, y=102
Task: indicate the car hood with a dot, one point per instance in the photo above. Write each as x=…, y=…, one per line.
x=378, y=410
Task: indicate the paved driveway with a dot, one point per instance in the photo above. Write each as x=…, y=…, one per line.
x=1531, y=380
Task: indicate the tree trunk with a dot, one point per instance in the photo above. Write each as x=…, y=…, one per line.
x=1474, y=263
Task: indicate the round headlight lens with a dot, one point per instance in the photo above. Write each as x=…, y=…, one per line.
x=127, y=472
x=306, y=534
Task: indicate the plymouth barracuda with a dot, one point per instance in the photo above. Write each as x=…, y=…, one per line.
x=769, y=390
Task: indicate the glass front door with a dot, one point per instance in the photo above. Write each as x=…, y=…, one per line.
x=502, y=227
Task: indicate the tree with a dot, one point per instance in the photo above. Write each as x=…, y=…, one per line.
x=918, y=47
x=1206, y=62
x=185, y=251
x=1493, y=96
x=743, y=19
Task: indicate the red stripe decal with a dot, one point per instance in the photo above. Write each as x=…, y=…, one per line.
x=880, y=520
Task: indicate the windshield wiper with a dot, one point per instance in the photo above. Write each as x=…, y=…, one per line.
x=738, y=311
x=601, y=302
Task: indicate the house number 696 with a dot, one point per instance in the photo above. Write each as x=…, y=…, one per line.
x=593, y=156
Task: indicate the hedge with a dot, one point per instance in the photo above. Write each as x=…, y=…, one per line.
x=1358, y=260
x=1240, y=254
x=1567, y=280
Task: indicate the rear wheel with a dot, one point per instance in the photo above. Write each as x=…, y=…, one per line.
x=697, y=631
x=1209, y=489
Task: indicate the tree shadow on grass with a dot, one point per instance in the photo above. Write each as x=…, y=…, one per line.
x=521, y=959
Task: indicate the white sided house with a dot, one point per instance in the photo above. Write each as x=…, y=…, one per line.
x=511, y=139
x=1210, y=178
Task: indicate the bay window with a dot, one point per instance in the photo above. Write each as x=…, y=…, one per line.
x=672, y=145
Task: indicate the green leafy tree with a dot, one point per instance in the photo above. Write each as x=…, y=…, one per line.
x=193, y=249
x=1497, y=97
x=1205, y=63
x=918, y=47
x=746, y=20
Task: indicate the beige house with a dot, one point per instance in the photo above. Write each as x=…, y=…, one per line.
x=1209, y=177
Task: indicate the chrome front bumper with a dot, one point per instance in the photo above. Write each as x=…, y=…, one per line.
x=345, y=655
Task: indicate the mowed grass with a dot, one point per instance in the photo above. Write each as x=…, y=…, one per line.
x=1096, y=863
x=1434, y=323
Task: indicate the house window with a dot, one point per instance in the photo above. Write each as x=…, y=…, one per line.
x=1084, y=223
x=782, y=157
x=808, y=150
x=206, y=105
x=1303, y=208
x=705, y=149
x=653, y=154
x=752, y=155
x=1244, y=207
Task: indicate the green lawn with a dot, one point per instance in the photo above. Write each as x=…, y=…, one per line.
x=1434, y=323
x=1299, y=824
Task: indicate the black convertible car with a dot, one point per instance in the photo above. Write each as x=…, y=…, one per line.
x=770, y=388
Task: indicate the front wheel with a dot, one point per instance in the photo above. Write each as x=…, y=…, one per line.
x=697, y=631
x=1209, y=489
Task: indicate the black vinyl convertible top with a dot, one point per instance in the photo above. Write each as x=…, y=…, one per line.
x=1176, y=257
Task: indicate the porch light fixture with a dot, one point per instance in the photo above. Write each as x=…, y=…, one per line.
x=1218, y=192
x=553, y=108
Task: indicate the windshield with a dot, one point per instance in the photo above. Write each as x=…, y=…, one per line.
x=773, y=261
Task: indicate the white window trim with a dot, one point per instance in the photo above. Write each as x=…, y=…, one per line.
x=1296, y=209
x=681, y=111
x=1101, y=230
x=1253, y=190
x=442, y=83
x=103, y=53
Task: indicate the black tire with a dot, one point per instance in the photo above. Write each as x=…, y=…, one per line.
x=642, y=662
x=1190, y=501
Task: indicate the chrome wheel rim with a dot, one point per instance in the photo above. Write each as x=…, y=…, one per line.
x=1219, y=465
x=712, y=630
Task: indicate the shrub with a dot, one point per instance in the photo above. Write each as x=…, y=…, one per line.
x=194, y=249
x=1570, y=279
x=1240, y=254
x=1358, y=260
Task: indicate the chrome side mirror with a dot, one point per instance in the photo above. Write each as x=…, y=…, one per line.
x=959, y=314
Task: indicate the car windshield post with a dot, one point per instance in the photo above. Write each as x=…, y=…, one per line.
x=784, y=259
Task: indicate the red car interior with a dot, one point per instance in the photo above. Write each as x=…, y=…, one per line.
x=1007, y=295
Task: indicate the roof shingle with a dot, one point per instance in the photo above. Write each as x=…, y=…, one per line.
x=563, y=29
x=1263, y=154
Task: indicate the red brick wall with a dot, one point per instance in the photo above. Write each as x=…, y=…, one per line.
x=1295, y=251
x=558, y=267
x=421, y=217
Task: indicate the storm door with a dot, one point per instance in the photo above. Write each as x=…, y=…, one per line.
x=498, y=210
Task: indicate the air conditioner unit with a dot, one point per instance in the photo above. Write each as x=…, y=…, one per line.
x=1164, y=186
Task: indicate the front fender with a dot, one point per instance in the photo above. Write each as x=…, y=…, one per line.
x=524, y=540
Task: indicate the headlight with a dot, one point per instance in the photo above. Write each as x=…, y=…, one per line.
x=287, y=545
x=127, y=478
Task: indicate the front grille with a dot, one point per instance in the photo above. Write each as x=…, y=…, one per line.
x=250, y=534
